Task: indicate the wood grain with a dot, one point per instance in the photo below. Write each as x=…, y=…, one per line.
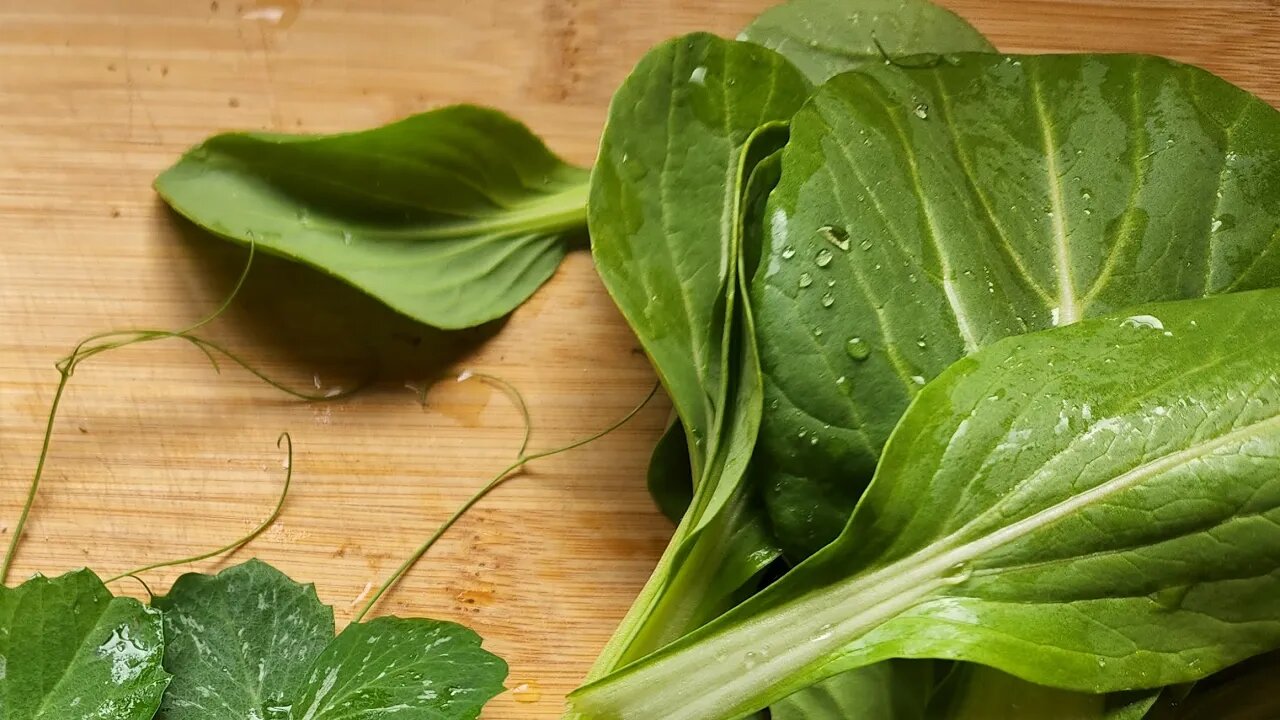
x=155, y=456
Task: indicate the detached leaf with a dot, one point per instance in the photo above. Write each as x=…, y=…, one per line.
x=1094, y=507
x=239, y=642
x=414, y=669
x=926, y=213
x=251, y=643
x=827, y=37
x=452, y=217
x=68, y=649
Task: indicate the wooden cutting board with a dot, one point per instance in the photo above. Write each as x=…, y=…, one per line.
x=156, y=456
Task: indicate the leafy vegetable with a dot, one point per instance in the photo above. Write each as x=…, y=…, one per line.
x=824, y=38
x=665, y=220
x=452, y=217
x=1092, y=507
x=924, y=213
x=250, y=643
x=68, y=649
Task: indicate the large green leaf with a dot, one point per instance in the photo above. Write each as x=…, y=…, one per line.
x=684, y=132
x=452, y=217
x=925, y=213
x=827, y=37
x=251, y=643
x=68, y=649
x=1094, y=507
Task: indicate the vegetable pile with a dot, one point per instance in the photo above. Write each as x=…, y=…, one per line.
x=974, y=364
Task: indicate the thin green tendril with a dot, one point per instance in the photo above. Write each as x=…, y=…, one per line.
x=236, y=545
x=111, y=340
x=506, y=473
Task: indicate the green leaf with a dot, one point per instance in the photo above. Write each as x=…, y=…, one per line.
x=1093, y=507
x=670, y=475
x=897, y=690
x=406, y=668
x=239, y=642
x=251, y=643
x=684, y=132
x=926, y=213
x=68, y=649
x=452, y=217
x=827, y=37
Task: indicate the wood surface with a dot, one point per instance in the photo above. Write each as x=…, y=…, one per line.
x=155, y=456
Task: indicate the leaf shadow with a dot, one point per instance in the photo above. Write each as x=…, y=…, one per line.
x=293, y=315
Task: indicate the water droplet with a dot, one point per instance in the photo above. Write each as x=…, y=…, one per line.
x=865, y=244
x=828, y=300
x=802, y=433
x=1149, y=322
x=917, y=379
x=857, y=349
x=921, y=342
x=823, y=633
x=1217, y=225
x=346, y=237
x=699, y=75
x=1086, y=195
x=813, y=440
x=837, y=236
x=823, y=258
x=526, y=693
x=805, y=280
x=788, y=253
x=749, y=660
x=842, y=380
x=921, y=111
x=817, y=332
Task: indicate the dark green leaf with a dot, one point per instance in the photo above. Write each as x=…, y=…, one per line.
x=414, y=669
x=239, y=642
x=827, y=37
x=670, y=475
x=684, y=132
x=1094, y=507
x=68, y=649
x=249, y=643
x=925, y=213
x=452, y=217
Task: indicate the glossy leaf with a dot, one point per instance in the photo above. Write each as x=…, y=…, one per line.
x=925, y=213
x=683, y=134
x=1094, y=507
x=251, y=643
x=824, y=38
x=409, y=668
x=239, y=642
x=670, y=476
x=452, y=217
x=68, y=649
